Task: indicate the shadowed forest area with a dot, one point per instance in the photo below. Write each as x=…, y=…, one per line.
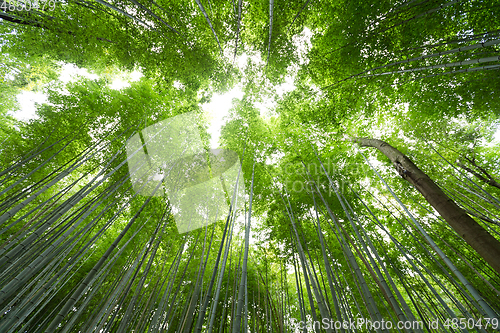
x=355, y=185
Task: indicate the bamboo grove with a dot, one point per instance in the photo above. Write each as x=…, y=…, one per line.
x=365, y=198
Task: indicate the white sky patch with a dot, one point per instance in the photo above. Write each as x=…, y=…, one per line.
x=219, y=105
x=496, y=139
x=265, y=107
x=496, y=136
x=27, y=100
x=303, y=44
x=178, y=85
x=123, y=81
x=70, y=72
x=242, y=60
x=217, y=109
x=135, y=76
x=285, y=87
x=119, y=84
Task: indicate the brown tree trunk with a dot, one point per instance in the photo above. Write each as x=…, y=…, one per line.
x=476, y=236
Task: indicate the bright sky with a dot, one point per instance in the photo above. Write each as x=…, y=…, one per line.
x=217, y=109
x=27, y=100
x=69, y=72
